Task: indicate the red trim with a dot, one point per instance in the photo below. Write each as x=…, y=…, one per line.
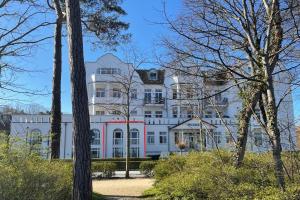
x=103, y=141
x=124, y=121
x=144, y=140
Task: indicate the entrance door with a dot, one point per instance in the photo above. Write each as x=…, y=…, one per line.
x=191, y=141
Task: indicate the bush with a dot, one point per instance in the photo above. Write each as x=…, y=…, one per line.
x=27, y=176
x=107, y=168
x=210, y=175
x=147, y=167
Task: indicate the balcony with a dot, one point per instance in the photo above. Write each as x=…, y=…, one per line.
x=154, y=101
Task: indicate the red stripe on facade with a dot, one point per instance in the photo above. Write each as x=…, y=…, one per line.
x=103, y=141
x=144, y=140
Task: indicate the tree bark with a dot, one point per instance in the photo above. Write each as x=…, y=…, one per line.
x=273, y=133
x=243, y=126
x=128, y=139
x=82, y=184
x=56, y=85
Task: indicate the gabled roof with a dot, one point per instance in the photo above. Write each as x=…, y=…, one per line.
x=192, y=123
x=143, y=73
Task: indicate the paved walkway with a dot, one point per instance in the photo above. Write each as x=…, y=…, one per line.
x=124, y=189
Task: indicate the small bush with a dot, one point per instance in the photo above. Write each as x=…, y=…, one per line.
x=147, y=167
x=107, y=168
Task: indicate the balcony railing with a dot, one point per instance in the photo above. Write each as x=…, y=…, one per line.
x=155, y=100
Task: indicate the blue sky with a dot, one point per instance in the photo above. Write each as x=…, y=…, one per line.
x=142, y=15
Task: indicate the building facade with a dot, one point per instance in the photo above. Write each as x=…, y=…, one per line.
x=168, y=111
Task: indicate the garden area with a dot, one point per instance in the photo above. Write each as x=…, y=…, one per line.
x=197, y=175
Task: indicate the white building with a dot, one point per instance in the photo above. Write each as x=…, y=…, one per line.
x=165, y=109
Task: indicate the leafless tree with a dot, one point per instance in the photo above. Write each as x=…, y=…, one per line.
x=21, y=24
x=128, y=84
x=253, y=41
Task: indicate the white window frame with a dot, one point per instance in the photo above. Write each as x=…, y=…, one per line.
x=150, y=138
x=163, y=137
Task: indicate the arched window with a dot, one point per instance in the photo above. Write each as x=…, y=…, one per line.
x=95, y=137
x=134, y=136
x=35, y=140
x=118, y=137
x=258, y=139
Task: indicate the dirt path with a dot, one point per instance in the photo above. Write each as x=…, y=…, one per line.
x=122, y=188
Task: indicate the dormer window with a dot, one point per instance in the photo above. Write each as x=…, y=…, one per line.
x=153, y=75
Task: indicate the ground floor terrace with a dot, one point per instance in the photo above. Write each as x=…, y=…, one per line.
x=148, y=137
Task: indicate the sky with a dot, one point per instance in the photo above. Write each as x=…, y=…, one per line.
x=143, y=16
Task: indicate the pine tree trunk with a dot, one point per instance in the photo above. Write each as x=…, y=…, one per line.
x=82, y=184
x=243, y=126
x=56, y=86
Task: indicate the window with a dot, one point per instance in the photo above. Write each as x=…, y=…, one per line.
x=147, y=114
x=158, y=96
x=35, y=140
x=95, y=152
x=118, y=137
x=133, y=112
x=258, y=139
x=229, y=139
x=218, y=96
x=153, y=75
x=100, y=92
x=257, y=112
x=108, y=71
x=163, y=137
x=100, y=112
x=158, y=114
x=98, y=71
x=208, y=114
x=134, y=152
x=134, y=137
x=116, y=93
x=189, y=93
x=95, y=137
x=116, y=112
x=174, y=92
x=189, y=112
x=150, y=138
x=147, y=95
x=134, y=94
x=217, y=138
x=105, y=71
x=117, y=152
x=175, y=112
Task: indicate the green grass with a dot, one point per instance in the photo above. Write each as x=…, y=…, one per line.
x=97, y=196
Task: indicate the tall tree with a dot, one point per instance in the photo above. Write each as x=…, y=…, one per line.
x=100, y=20
x=56, y=83
x=254, y=41
x=82, y=182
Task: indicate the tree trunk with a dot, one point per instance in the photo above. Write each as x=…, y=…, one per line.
x=243, y=126
x=273, y=133
x=82, y=184
x=56, y=86
x=128, y=139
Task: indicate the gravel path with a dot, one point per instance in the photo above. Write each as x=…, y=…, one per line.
x=122, y=188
